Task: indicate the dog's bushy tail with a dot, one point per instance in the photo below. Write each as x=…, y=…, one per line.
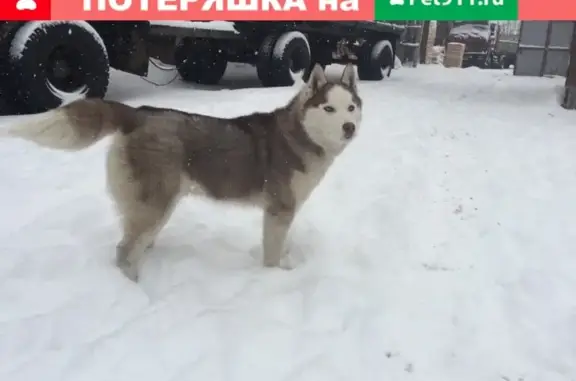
x=75, y=126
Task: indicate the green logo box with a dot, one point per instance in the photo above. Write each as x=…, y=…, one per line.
x=445, y=10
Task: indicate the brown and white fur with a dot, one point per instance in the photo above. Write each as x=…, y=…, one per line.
x=273, y=160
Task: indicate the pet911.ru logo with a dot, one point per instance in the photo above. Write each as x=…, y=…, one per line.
x=446, y=3
x=446, y=10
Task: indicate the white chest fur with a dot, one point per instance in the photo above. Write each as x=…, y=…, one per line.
x=304, y=183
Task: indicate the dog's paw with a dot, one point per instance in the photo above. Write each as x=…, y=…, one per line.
x=129, y=270
x=286, y=263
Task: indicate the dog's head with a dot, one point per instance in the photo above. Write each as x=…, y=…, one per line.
x=331, y=111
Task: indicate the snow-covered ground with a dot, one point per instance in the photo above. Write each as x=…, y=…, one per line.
x=441, y=247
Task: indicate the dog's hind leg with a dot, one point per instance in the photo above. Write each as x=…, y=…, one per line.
x=145, y=197
x=141, y=222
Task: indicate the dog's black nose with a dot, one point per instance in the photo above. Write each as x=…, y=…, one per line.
x=349, y=129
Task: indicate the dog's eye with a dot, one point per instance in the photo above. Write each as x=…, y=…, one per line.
x=351, y=108
x=329, y=109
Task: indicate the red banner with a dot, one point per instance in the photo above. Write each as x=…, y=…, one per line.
x=206, y=10
x=557, y=10
x=24, y=10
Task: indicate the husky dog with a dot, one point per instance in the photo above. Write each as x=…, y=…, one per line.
x=272, y=160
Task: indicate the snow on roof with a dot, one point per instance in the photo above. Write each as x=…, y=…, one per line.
x=226, y=26
x=392, y=25
x=471, y=31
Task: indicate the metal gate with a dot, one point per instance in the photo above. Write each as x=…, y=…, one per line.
x=544, y=48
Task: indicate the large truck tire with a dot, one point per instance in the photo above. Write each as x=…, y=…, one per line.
x=375, y=61
x=200, y=61
x=52, y=62
x=6, y=91
x=264, y=57
x=283, y=58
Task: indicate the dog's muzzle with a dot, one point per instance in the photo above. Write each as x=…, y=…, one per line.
x=349, y=130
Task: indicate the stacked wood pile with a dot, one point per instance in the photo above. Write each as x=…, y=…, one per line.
x=454, y=54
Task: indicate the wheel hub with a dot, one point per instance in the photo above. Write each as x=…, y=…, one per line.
x=60, y=69
x=64, y=69
x=296, y=63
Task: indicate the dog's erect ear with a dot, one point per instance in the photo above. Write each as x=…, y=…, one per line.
x=317, y=78
x=349, y=76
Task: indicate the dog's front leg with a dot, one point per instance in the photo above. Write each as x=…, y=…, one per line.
x=276, y=226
